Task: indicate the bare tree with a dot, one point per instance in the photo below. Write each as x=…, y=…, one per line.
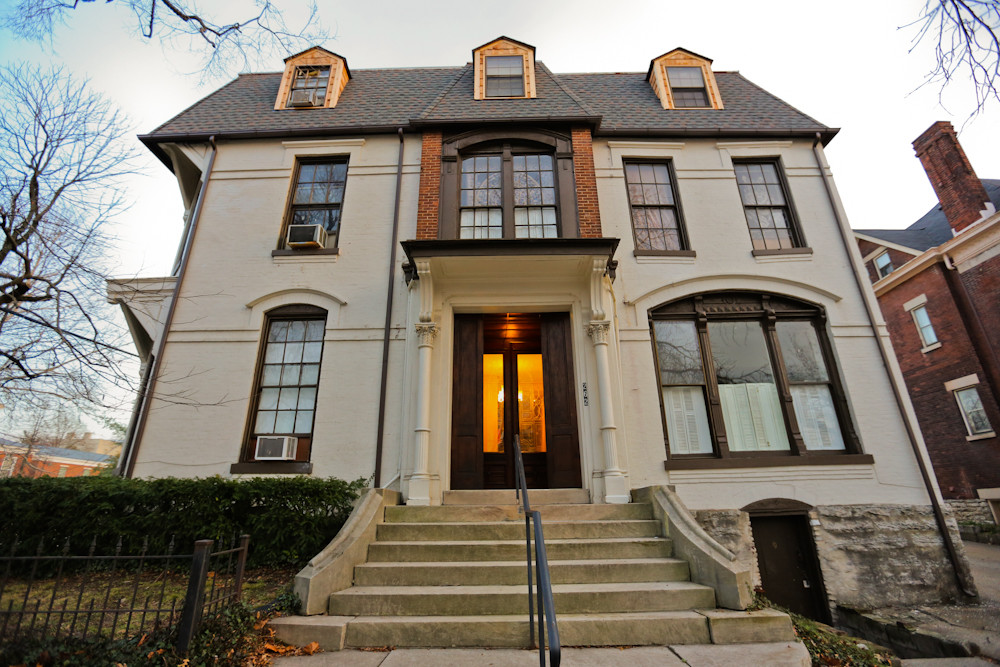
x=228, y=44
x=61, y=162
x=966, y=38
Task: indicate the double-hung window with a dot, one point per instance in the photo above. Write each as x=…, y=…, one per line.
x=504, y=76
x=970, y=404
x=768, y=209
x=318, y=196
x=656, y=216
x=288, y=376
x=924, y=326
x=508, y=194
x=309, y=84
x=883, y=264
x=687, y=87
x=743, y=374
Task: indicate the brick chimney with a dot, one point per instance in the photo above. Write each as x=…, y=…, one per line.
x=959, y=190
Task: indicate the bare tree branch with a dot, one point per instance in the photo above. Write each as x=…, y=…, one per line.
x=227, y=46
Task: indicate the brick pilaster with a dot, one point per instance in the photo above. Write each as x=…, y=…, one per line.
x=428, y=203
x=587, y=206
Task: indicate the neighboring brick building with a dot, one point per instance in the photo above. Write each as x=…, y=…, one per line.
x=938, y=283
x=21, y=460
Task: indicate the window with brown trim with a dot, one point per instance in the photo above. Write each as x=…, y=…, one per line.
x=309, y=86
x=748, y=375
x=687, y=87
x=656, y=214
x=767, y=205
x=508, y=194
x=317, y=198
x=287, y=380
x=504, y=76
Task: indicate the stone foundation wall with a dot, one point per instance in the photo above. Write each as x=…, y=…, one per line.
x=876, y=556
x=971, y=511
x=731, y=529
x=871, y=556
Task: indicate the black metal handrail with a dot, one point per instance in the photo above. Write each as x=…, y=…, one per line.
x=546, y=604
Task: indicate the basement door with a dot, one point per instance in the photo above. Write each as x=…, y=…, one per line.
x=789, y=568
x=513, y=375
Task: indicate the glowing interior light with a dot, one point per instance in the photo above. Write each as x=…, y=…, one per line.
x=500, y=395
x=520, y=396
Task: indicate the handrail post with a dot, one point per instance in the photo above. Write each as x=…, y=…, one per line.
x=195, y=599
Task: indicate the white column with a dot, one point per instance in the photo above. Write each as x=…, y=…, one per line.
x=615, y=485
x=420, y=480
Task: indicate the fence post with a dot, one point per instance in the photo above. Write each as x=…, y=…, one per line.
x=195, y=599
x=241, y=564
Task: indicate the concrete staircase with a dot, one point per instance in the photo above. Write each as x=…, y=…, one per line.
x=455, y=575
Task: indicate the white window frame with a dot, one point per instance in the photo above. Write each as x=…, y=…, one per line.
x=878, y=269
x=912, y=306
x=962, y=384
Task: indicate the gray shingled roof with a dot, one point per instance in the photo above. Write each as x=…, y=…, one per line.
x=383, y=99
x=932, y=229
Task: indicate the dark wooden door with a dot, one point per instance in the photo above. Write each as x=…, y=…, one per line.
x=511, y=335
x=789, y=570
x=562, y=438
x=467, y=404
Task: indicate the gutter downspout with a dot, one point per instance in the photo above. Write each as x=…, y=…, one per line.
x=383, y=387
x=132, y=444
x=897, y=390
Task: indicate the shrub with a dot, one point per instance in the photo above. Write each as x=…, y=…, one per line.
x=288, y=519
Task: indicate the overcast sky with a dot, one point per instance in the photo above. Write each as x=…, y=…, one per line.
x=845, y=64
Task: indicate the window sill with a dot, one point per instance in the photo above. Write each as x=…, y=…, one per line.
x=981, y=436
x=664, y=253
x=933, y=346
x=271, y=468
x=769, y=462
x=782, y=252
x=305, y=252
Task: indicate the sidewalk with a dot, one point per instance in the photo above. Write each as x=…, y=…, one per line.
x=785, y=654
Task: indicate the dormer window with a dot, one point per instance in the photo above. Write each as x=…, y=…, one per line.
x=687, y=86
x=313, y=79
x=309, y=84
x=504, y=76
x=504, y=69
x=684, y=80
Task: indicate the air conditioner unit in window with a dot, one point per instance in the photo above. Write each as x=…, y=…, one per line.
x=306, y=236
x=304, y=98
x=275, y=448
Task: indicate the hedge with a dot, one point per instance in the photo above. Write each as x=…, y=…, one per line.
x=288, y=519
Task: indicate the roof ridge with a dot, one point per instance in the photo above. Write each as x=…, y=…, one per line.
x=445, y=91
x=566, y=89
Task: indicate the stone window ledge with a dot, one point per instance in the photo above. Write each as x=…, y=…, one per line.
x=933, y=346
x=769, y=461
x=271, y=468
x=981, y=436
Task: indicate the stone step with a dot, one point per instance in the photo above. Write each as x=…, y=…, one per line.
x=514, y=550
x=474, y=513
x=509, y=497
x=589, y=598
x=510, y=573
x=619, y=629
x=514, y=530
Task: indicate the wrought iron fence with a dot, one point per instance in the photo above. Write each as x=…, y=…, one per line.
x=52, y=592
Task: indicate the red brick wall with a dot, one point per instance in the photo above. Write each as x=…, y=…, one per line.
x=961, y=466
x=430, y=185
x=897, y=257
x=982, y=282
x=587, y=206
x=959, y=190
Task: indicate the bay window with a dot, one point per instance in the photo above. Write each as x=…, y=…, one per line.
x=748, y=375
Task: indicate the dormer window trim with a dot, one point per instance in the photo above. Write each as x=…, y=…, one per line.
x=501, y=72
x=676, y=93
x=303, y=84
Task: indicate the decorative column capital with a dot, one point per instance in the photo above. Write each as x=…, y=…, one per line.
x=599, y=331
x=426, y=333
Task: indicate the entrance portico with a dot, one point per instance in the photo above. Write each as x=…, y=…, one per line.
x=513, y=337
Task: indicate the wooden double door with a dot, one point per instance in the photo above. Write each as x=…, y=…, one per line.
x=513, y=375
